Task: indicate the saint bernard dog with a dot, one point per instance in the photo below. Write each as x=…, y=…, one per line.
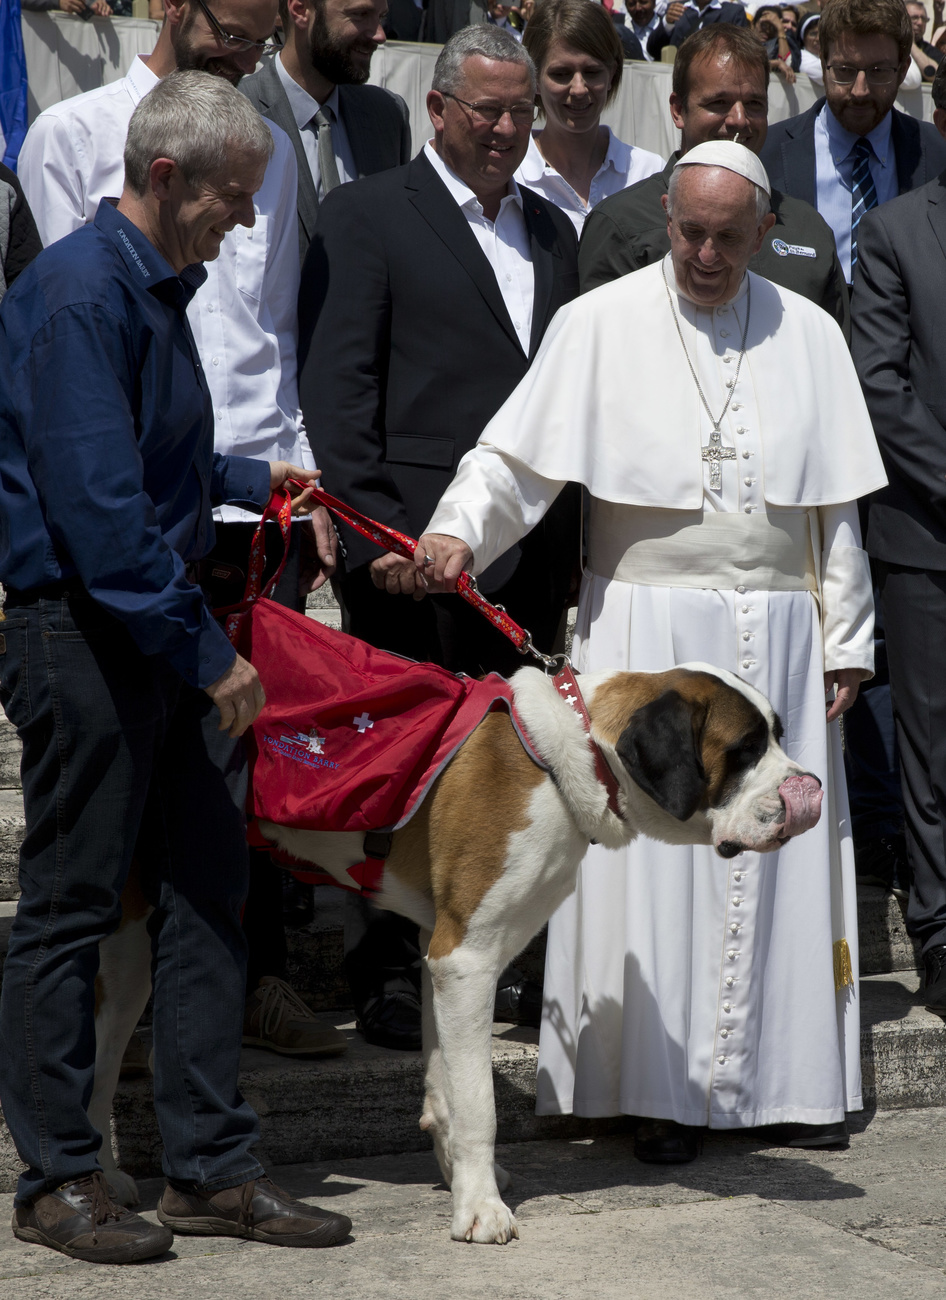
x=494, y=849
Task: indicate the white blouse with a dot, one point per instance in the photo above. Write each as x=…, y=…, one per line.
x=623, y=165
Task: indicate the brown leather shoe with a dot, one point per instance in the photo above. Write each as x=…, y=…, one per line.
x=276, y=1018
x=258, y=1210
x=82, y=1220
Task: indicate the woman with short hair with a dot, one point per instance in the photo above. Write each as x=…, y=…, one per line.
x=574, y=161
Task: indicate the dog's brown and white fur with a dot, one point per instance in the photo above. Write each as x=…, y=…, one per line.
x=496, y=847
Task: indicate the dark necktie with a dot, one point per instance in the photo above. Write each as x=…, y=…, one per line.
x=863, y=193
x=328, y=170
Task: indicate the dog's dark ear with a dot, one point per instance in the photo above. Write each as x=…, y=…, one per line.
x=659, y=749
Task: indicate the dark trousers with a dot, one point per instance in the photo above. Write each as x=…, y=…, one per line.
x=871, y=761
x=263, y=914
x=914, y=603
x=121, y=759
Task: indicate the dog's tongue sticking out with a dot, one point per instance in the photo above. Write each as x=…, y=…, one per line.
x=802, y=797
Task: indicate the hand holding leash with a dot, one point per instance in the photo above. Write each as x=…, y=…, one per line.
x=440, y=559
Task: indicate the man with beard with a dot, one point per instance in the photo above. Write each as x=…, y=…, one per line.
x=243, y=319
x=315, y=90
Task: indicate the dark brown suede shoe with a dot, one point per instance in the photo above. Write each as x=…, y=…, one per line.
x=82, y=1221
x=258, y=1210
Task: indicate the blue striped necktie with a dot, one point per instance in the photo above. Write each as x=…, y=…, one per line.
x=863, y=192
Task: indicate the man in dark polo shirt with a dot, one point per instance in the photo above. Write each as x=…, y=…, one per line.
x=126, y=694
x=720, y=92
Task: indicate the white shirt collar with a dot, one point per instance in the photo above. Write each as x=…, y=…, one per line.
x=461, y=192
x=533, y=167
x=140, y=79
x=303, y=106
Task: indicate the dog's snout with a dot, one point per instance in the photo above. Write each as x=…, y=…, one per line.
x=729, y=848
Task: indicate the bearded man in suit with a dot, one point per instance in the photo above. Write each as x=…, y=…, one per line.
x=314, y=88
x=424, y=296
x=897, y=347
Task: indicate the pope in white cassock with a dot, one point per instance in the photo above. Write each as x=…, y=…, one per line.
x=723, y=452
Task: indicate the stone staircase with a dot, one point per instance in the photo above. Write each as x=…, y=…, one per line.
x=368, y=1101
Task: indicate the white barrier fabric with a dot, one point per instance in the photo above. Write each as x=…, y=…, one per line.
x=66, y=55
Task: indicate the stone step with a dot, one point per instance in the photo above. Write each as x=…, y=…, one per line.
x=369, y=1101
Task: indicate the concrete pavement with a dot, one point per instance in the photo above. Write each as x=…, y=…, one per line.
x=745, y=1221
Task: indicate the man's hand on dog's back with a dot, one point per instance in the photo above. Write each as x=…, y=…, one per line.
x=239, y=696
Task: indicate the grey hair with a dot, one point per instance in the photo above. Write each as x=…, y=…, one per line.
x=490, y=42
x=763, y=204
x=197, y=120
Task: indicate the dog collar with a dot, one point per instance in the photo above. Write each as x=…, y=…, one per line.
x=566, y=683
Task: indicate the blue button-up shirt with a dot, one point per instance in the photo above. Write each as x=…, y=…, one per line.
x=834, y=171
x=107, y=468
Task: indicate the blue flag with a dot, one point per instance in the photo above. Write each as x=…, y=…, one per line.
x=12, y=82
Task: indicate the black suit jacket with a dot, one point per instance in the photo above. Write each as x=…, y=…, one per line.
x=691, y=21
x=376, y=121
x=789, y=154
x=897, y=310
x=406, y=347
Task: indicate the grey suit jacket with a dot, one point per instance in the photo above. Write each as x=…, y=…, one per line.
x=897, y=310
x=376, y=121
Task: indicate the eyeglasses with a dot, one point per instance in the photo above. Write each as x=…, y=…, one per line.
x=485, y=113
x=236, y=43
x=844, y=74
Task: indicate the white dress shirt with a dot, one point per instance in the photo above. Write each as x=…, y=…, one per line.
x=304, y=109
x=834, y=173
x=623, y=165
x=505, y=242
x=244, y=315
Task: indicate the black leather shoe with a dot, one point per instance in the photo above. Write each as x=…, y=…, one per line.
x=664, y=1142
x=882, y=862
x=811, y=1137
x=257, y=1210
x=392, y=1020
x=933, y=993
x=82, y=1220
x=519, y=1002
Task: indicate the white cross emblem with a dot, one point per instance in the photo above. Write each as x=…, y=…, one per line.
x=571, y=699
x=363, y=723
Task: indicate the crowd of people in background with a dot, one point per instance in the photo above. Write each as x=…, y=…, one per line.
x=354, y=294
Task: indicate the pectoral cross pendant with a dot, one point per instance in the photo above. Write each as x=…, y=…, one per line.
x=715, y=454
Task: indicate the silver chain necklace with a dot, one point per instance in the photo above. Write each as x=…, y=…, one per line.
x=715, y=453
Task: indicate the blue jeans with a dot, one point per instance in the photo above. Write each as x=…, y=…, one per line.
x=121, y=759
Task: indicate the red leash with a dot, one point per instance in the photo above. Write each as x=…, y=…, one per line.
x=390, y=539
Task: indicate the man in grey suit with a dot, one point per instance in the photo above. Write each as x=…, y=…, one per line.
x=340, y=128
x=899, y=288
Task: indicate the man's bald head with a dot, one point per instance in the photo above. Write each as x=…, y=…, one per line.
x=716, y=221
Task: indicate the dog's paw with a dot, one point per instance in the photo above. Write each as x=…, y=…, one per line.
x=489, y=1222
x=503, y=1177
x=123, y=1187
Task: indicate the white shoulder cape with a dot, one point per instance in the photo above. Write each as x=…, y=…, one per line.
x=610, y=402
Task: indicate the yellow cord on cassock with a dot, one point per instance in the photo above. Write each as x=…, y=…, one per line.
x=843, y=971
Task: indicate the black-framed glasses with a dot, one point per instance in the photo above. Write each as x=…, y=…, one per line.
x=845, y=74
x=486, y=113
x=236, y=43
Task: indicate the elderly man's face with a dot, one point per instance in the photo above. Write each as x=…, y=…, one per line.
x=197, y=43
x=725, y=99
x=713, y=233
x=484, y=155
x=918, y=18
x=343, y=35
x=864, y=102
x=196, y=219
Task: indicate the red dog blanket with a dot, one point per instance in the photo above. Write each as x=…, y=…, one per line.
x=351, y=738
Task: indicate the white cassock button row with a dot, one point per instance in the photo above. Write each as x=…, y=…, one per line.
x=746, y=455
x=734, y=928
x=741, y=590
x=747, y=636
x=730, y=981
x=727, y=1006
x=721, y=1060
x=731, y=954
x=747, y=663
x=724, y=1033
x=747, y=482
x=724, y=334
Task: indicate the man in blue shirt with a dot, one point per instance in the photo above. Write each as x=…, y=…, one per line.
x=128, y=697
